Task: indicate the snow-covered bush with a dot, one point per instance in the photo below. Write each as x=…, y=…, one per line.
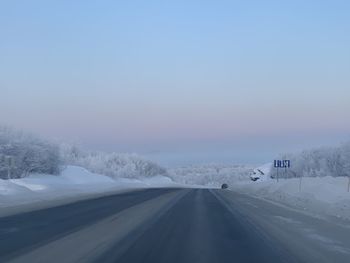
x=115, y=165
x=29, y=154
x=211, y=174
x=326, y=161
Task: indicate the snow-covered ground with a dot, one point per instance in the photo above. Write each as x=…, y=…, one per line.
x=74, y=183
x=317, y=195
x=211, y=175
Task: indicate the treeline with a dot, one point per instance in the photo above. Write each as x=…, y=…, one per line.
x=211, y=174
x=115, y=165
x=22, y=154
x=325, y=161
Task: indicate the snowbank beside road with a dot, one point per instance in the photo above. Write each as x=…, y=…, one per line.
x=74, y=183
x=318, y=195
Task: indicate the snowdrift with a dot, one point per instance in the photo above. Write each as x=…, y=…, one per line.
x=317, y=195
x=72, y=183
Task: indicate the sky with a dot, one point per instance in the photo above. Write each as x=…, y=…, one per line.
x=180, y=82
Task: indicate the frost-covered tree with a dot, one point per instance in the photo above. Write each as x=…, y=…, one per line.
x=29, y=153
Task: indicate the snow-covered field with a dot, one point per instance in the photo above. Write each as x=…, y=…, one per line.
x=211, y=175
x=74, y=183
x=317, y=195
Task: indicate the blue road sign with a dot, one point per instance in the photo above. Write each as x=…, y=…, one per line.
x=281, y=163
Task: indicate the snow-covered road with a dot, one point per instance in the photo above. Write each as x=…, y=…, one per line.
x=173, y=225
x=308, y=238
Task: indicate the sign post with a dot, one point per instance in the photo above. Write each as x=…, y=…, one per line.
x=281, y=164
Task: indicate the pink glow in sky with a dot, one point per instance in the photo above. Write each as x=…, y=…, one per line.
x=164, y=76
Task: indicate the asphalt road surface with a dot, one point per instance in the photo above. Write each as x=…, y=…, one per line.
x=172, y=225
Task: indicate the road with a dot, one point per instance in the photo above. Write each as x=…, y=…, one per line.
x=172, y=225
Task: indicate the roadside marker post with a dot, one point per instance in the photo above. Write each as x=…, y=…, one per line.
x=9, y=163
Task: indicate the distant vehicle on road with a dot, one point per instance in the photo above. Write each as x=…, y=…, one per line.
x=224, y=186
